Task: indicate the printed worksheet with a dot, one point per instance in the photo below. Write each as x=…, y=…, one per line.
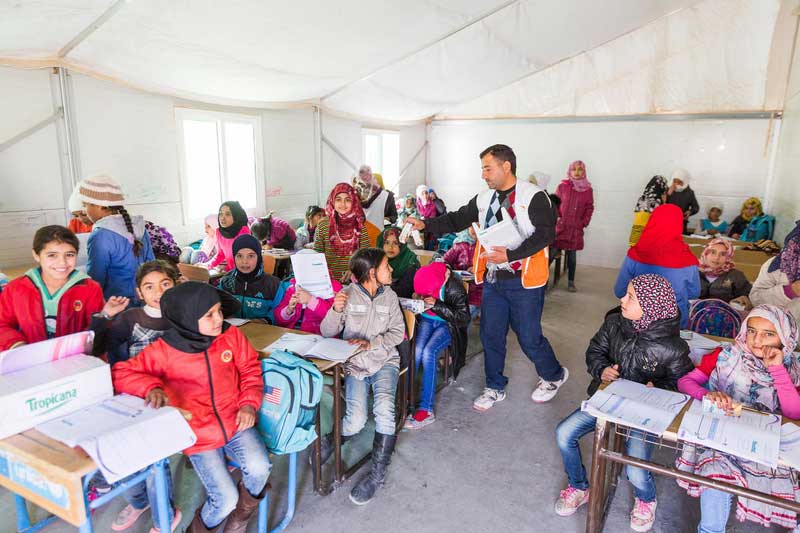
x=754, y=436
x=311, y=273
x=635, y=405
x=790, y=445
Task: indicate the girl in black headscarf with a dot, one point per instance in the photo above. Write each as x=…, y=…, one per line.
x=258, y=293
x=232, y=223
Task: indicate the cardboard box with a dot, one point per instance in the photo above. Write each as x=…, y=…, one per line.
x=44, y=392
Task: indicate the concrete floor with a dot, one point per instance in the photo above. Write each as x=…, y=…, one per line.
x=470, y=471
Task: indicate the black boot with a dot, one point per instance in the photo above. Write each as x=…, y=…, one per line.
x=382, y=448
x=326, y=448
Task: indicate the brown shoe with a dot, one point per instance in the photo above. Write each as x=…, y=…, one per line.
x=247, y=504
x=197, y=525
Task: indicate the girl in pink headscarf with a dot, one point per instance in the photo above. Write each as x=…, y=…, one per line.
x=207, y=248
x=575, y=213
x=719, y=277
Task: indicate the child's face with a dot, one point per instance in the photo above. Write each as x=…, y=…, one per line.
x=246, y=260
x=315, y=220
x=343, y=203
x=225, y=216
x=714, y=214
x=391, y=246
x=384, y=272
x=750, y=211
x=677, y=183
x=152, y=287
x=95, y=212
x=630, y=305
x=57, y=260
x=210, y=324
x=760, y=334
x=577, y=172
x=716, y=256
x=409, y=203
x=210, y=231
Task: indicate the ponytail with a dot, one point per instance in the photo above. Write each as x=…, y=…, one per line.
x=137, y=244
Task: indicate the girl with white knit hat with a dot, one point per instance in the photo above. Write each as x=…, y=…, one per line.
x=118, y=243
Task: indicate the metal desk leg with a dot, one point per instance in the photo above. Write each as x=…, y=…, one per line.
x=317, y=451
x=597, y=490
x=162, y=495
x=291, y=500
x=412, y=378
x=338, y=473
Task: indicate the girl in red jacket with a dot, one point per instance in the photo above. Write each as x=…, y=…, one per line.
x=52, y=299
x=208, y=368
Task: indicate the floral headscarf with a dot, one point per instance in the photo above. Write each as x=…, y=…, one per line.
x=656, y=298
x=788, y=261
x=705, y=268
x=652, y=195
x=344, y=229
x=743, y=376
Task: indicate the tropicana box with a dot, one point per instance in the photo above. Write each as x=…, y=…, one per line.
x=49, y=379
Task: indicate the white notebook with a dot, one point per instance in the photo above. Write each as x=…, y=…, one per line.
x=314, y=346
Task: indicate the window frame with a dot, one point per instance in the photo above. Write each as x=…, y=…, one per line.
x=219, y=118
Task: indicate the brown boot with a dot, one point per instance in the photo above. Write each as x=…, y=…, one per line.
x=197, y=525
x=247, y=504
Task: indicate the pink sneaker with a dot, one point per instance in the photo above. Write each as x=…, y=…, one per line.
x=643, y=515
x=127, y=517
x=176, y=519
x=569, y=500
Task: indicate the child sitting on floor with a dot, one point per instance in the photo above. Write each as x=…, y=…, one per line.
x=207, y=367
x=369, y=313
x=641, y=344
x=759, y=371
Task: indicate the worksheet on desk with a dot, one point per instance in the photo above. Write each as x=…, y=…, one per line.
x=790, y=445
x=754, y=436
x=635, y=405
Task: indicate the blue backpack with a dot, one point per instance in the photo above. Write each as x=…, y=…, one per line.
x=292, y=390
x=714, y=317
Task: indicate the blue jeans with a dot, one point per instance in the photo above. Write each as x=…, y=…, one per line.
x=506, y=302
x=384, y=389
x=568, y=434
x=433, y=336
x=715, y=505
x=248, y=450
x=143, y=494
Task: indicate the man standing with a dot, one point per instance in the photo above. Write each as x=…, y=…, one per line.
x=515, y=280
x=377, y=202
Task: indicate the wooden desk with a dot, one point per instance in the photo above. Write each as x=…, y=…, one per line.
x=261, y=336
x=754, y=257
x=703, y=242
x=750, y=271
x=608, y=448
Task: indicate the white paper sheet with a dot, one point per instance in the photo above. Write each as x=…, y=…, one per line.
x=790, y=445
x=293, y=342
x=633, y=404
x=311, y=274
x=700, y=346
x=238, y=322
x=754, y=436
x=314, y=346
x=122, y=435
x=42, y=352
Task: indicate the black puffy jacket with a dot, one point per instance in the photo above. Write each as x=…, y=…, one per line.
x=455, y=310
x=657, y=354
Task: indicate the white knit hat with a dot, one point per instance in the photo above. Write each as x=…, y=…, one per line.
x=101, y=190
x=75, y=203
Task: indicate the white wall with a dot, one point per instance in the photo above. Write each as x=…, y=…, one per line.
x=725, y=157
x=785, y=197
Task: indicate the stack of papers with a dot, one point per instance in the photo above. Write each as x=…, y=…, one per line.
x=635, y=405
x=314, y=346
x=503, y=234
x=754, y=436
x=121, y=435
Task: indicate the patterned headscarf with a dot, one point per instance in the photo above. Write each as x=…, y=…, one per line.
x=656, y=298
x=788, y=261
x=579, y=184
x=743, y=376
x=366, y=185
x=752, y=202
x=344, y=229
x=705, y=268
x=652, y=195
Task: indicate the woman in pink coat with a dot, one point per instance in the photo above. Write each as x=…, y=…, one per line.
x=575, y=213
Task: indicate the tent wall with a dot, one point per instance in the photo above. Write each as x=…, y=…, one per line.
x=785, y=197
x=725, y=157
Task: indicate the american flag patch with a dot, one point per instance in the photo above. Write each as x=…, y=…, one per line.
x=272, y=395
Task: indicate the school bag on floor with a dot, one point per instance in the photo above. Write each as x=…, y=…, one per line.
x=714, y=317
x=292, y=390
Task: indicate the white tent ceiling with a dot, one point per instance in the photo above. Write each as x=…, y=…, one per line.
x=404, y=61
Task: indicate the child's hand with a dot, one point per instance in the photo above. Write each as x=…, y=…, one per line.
x=364, y=345
x=772, y=356
x=721, y=400
x=610, y=373
x=303, y=296
x=430, y=300
x=292, y=303
x=339, y=301
x=156, y=398
x=245, y=418
x=650, y=384
x=115, y=305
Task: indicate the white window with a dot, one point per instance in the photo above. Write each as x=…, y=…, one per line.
x=381, y=151
x=221, y=160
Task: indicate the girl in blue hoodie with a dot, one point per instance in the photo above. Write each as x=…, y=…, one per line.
x=118, y=243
